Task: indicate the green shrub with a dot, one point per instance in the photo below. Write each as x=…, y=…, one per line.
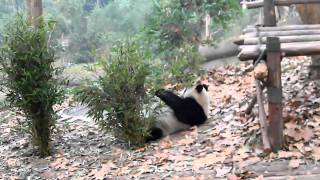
x=26, y=59
x=183, y=65
x=118, y=100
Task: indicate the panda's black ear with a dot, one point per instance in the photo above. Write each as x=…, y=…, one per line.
x=199, y=88
x=206, y=86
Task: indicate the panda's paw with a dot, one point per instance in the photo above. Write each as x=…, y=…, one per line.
x=155, y=134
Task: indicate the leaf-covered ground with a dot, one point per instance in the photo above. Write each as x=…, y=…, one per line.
x=227, y=147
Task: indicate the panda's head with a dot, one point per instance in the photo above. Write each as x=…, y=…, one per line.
x=200, y=94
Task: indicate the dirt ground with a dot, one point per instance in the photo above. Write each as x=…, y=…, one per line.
x=228, y=146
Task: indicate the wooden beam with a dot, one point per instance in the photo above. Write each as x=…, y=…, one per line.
x=250, y=52
x=281, y=33
x=283, y=39
x=282, y=28
x=274, y=91
x=259, y=3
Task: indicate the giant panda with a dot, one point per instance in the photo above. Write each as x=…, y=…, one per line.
x=182, y=112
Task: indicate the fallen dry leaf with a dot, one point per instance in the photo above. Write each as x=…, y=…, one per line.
x=307, y=134
x=48, y=175
x=124, y=171
x=11, y=162
x=241, y=154
x=188, y=178
x=105, y=168
x=179, y=158
x=233, y=177
x=60, y=163
x=226, y=99
x=211, y=159
x=291, y=178
x=260, y=177
x=228, y=151
x=186, y=141
x=316, y=153
x=300, y=147
x=194, y=132
x=249, y=161
x=221, y=172
x=296, y=135
x=180, y=166
x=316, y=118
x=308, y=149
x=291, y=125
x=288, y=154
x=161, y=158
x=143, y=149
x=294, y=163
x=165, y=143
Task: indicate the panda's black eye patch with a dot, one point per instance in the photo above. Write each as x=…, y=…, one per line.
x=199, y=88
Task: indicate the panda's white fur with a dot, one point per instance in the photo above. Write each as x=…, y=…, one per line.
x=182, y=112
x=169, y=124
x=202, y=98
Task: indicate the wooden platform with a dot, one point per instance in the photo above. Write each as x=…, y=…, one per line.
x=280, y=170
x=266, y=44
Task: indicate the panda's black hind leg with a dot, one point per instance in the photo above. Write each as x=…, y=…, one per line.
x=155, y=134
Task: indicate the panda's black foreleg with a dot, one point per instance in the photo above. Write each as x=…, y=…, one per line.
x=169, y=98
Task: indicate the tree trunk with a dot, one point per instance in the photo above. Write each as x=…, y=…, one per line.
x=34, y=11
x=310, y=14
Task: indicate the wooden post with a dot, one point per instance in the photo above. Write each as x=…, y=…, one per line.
x=274, y=90
x=263, y=119
x=269, y=13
